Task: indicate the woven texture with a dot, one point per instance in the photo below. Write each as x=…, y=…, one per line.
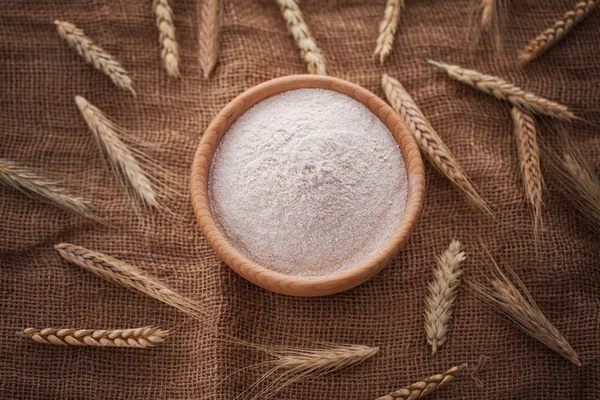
x=41, y=127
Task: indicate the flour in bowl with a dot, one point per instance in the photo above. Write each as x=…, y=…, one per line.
x=308, y=182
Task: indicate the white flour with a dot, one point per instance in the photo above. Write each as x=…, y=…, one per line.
x=308, y=182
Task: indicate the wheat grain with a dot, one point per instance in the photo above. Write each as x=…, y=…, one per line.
x=426, y=386
x=529, y=156
x=94, y=55
x=519, y=307
x=135, y=337
x=35, y=185
x=431, y=145
x=130, y=277
x=442, y=292
x=209, y=34
x=297, y=27
x=166, y=38
x=548, y=38
x=503, y=90
x=294, y=364
x=387, y=29
x=121, y=158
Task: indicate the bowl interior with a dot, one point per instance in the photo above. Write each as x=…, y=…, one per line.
x=304, y=285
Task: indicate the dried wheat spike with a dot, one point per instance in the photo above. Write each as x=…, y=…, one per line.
x=426, y=386
x=292, y=364
x=209, y=34
x=529, y=156
x=130, y=277
x=503, y=90
x=431, y=145
x=519, y=307
x=442, y=292
x=166, y=38
x=94, y=55
x=34, y=185
x=297, y=27
x=122, y=159
x=387, y=29
x=581, y=186
x=135, y=337
x=558, y=31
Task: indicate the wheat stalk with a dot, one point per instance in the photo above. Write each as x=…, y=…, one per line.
x=136, y=337
x=291, y=365
x=94, y=55
x=208, y=36
x=442, y=292
x=387, y=29
x=519, y=307
x=35, y=185
x=529, y=156
x=488, y=14
x=503, y=90
x=166, y=38
x=548, y=38
x=431, y=145
x=297, y=27
x=124, y=161
x=130, y=277
x=426, y=386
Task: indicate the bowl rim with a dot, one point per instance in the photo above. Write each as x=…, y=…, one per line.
x=305, y=285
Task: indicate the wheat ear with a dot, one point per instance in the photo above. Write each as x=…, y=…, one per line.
x=135, y=337
x=488, y=14
x=519, y=307
x=503, y=90
x=166, y=37
x=208, y=36
x=35, y=185
x=577, y=181
x=124, y=161
x=529, y=156
x=297, y=27
x=426, y=386
x=94, y=55
x=431, y=145
x=442, y=292
x=130, y=277
x=558, y=31
x=387, y=29
x=291, y=365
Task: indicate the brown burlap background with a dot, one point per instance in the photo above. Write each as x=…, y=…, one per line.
x=40, y=126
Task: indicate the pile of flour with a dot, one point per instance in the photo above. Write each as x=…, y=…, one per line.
x=308, y=182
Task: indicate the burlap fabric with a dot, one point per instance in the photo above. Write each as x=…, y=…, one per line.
x=41, y=127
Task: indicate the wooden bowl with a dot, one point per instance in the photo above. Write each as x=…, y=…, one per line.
x=305, y=285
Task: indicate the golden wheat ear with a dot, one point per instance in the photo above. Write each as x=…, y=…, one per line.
x=209, y=34
x=35, y=185
x=297, y=27
x=387, y=29
x=557, y=32
x=442, y=293
x=130, y=277
x=503, y=90
x=166, y=38
x=529, y=155
x=94, y=55
x=139, y=173
x=431, y=145
x=511, y=298
x=134, y=337
x=290, y=365
x=422, y=388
